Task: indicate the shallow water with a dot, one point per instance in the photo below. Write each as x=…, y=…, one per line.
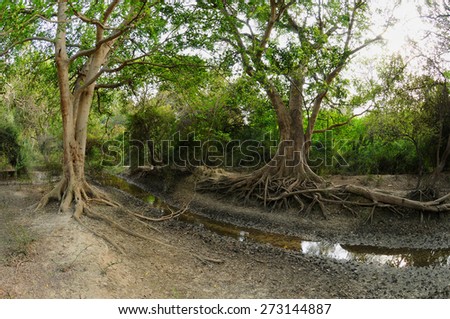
x=395, y=257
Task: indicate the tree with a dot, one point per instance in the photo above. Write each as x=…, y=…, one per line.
x=399, y=114
x=438, y=14
x=155, y=119
x=33, y=108
x=96, y=44
x=437, y=107
x=424, y=98
x=296, y=52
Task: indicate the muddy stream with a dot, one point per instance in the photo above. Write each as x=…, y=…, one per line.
x=395, y=257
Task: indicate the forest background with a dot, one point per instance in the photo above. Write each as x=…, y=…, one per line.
x=192, y=102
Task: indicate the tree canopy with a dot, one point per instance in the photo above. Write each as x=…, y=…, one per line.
x=217, y=73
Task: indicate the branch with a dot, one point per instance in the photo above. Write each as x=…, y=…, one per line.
x=346, y=55
x=86, y=19
x=99, y=44
x=331, y=30
x=319, y=16
x=249, y=26
x=340, y=124
x=126, y=25
x=38, y=15
x=269, y=27
x=275, y=16
x=48, y=20
x=367, y=43
x=240, y=43
x=328, y=80
x=110, y=10
x=45, y=39
x=350, y=26
x=293, y=24
x=112, y=85
x=296, y=28
x=230, y=42
x=89, y=82
x=121, y=67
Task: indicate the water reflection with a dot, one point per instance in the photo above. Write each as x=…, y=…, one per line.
x=395, y=257
x=324, y=249
x=399, y=257
x=243, y=235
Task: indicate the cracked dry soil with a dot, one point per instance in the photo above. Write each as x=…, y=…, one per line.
x=49, y=255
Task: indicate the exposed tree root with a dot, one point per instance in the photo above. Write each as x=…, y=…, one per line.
x=172, y=214
x=423, y=194
x=147, y=225
x=269, y=186
x=102, y=236
x=307, y=193
x=115, y=224
x=82, y=196
x=68, y=191
x=434, y=206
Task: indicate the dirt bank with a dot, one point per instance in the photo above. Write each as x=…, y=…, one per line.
x=52, y=256
x=388, y=229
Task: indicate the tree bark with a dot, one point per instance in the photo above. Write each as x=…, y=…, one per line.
x=442, y=161
x=288, y=170
x=75, y=108
x=290, y=160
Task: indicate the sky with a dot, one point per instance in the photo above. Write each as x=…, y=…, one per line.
x=409, y=26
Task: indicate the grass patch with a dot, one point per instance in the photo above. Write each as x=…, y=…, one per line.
x=15, y=243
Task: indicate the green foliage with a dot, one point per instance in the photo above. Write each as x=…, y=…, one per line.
x=201, y=72
x=106, y=124
x=356, y=149
x=29, y=106
x=153, y=122
x=215, y=113
x=9, y=146
x=199, y=121
x=308, y=38
x=414, y=110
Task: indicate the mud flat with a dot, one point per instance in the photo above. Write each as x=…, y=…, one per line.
x=265, y=254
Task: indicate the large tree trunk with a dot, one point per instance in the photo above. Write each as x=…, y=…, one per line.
x=75, y=108
x=290, y=161
x=288, y=170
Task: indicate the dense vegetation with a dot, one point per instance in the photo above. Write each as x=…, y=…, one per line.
x=384, y=141
x=253, y=85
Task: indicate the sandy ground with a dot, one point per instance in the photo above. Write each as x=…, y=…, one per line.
x=49, y=255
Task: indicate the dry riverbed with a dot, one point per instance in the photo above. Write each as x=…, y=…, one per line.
x=49, y=255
